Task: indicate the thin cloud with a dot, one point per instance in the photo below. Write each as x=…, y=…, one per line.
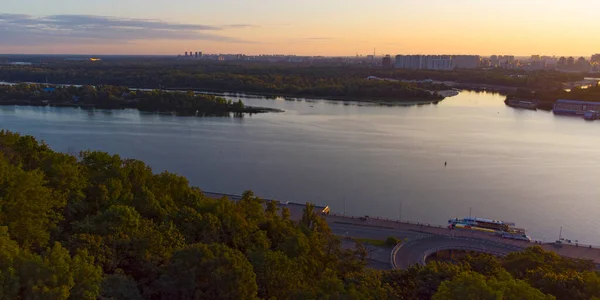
x=318, y=38
x=240, y=26
x=18, y=29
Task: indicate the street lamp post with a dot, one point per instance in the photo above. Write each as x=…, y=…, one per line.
x=560, y=234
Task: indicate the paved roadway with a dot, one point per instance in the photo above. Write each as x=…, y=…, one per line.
x=379, y=257
x=439, y=236
x=572, y=251
x=419, y=244
x=415, y=251
x=362, y=232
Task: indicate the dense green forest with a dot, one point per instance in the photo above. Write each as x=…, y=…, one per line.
x=323, y=82
x=115, y=97
x=533, y=80
x=97, y=226
x=305, y=80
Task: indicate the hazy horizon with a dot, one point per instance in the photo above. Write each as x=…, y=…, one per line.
x=309, y=27
x=88, y=55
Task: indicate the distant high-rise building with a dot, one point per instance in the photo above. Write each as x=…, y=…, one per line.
x=439, y=62
x=433, y=62
x=494, y=61
x=582, y=64
x=399, y=62
x=503, y=61
x=409, y=61
x=570, y=61
x=199, y=54
x=507, y=61
x=537, y=64
x=386, y=61
x=186, y=54
x=535, y=58
x=595, y=58
x=466, y=61
x=485, y=63
x=550, y=61
x=562, y=61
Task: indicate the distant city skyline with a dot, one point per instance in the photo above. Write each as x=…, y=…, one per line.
x=380, y=55
x=308, y=27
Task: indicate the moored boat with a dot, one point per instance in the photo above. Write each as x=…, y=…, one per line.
x=500, y=228
x=590, y=115
x=522, y=103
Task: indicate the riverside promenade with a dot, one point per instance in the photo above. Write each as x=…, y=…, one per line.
x=442, y=238
x=423, y=239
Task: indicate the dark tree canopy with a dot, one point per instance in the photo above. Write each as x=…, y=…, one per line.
x=287, y=80
x=97, y=226
x=547, y=97
x=119, y=97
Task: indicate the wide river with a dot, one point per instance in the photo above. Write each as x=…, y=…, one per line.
x=533, y=168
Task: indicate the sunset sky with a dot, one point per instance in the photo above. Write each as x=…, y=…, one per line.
x=304, y=27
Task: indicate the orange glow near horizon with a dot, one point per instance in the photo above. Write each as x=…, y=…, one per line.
x=315, y=27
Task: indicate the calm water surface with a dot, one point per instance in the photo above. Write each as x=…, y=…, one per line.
x=536, y=169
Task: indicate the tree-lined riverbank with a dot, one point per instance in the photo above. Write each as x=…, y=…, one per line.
x=320, y=82
x=119, y=97
x=546, y=99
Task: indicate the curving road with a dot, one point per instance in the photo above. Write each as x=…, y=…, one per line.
x=415, y=251
x=425, y=238
x=357, y=231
